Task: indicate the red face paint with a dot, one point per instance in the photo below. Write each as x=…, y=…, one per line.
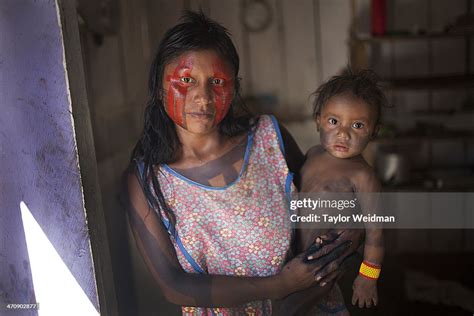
x=223, y=93
x=206, y=72
x=178, y=90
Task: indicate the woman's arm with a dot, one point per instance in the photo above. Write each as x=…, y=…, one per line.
x=293, y=155
x=190, y=289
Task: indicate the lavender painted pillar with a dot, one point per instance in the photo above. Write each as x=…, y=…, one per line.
x=38, y=152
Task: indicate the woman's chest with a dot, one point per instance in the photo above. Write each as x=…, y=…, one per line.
x=215, y=171
x=242, y=231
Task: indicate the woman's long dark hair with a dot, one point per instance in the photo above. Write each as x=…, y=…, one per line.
x=159, y=142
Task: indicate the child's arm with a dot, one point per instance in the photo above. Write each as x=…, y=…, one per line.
x=368, y=187
x=365, y=290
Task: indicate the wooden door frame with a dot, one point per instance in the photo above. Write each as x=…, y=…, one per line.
x=87, y=158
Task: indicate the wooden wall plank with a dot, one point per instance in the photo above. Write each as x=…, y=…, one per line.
x=411, y=59
x=104, y=73
x=409, y=101
x=265, y=58
x=446, y=212
x=362, y=14
x=162, y=15
x=413, y=240
x=200, y=5
x=334, y=36
x=447, y=100
x=445, y=12
x=380, y=58
x=449, y=56
x=132, y=52
x=409, y=15
x=302, y=74
x=471, y=53
x=469, y=233
x=446, y=240
x=228, y=14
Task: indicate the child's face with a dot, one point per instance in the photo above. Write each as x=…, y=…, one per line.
x=346, y=125
x=198, y=90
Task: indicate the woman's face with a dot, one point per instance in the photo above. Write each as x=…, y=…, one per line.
x=198, y=87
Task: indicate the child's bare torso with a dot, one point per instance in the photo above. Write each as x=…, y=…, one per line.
x=322, y=172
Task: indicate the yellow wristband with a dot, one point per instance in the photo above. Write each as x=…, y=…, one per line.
x=369, y=270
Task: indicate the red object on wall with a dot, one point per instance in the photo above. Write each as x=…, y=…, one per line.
x=379, y=17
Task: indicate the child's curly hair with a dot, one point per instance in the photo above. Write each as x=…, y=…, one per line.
x=362, y=84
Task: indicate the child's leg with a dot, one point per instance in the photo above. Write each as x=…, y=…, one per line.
x=331, y=305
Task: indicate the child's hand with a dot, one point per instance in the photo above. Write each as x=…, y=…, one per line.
x=365, y=292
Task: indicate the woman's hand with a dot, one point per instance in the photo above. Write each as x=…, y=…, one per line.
x=299, y=273
x=329, y=250
x=333, y=262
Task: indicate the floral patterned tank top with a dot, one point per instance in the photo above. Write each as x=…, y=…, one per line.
x=242, y=229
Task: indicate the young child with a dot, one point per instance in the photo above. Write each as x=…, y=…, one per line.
x=347, y=112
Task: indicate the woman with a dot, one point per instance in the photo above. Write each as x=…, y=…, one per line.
x=209, y=185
